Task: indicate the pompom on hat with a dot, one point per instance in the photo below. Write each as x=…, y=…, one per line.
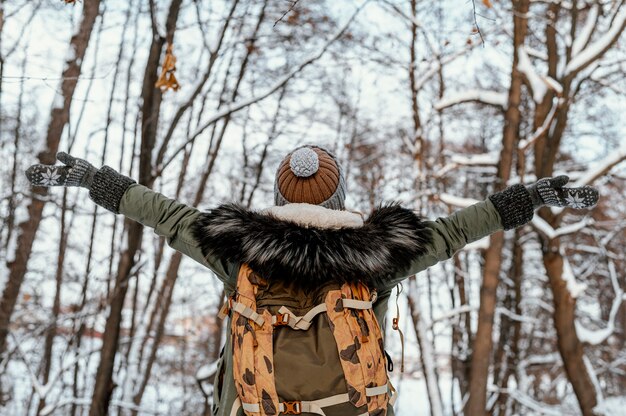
x=312, y=175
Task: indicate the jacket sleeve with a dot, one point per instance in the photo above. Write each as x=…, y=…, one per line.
x=169, y=218
x=508, y=209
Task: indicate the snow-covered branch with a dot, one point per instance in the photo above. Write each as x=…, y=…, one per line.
x=526, y=143
x=574, y=287
x=50, y=408
x=546, y=229
x=594, y=378
x=539, y=360
x=595, y=337
x=515, y=317
x=584, y=36
x=204, y=377
x=454, y=312
x=42, y=390
x=538, y=408
x=483, y=159
x=457, y=201
x=591, y=175
x=206, y=371
x=596, y=49
x=487, y=97
x=482, y=244
x=539, y=85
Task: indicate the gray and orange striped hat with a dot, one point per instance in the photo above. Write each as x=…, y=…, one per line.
x=310, y=174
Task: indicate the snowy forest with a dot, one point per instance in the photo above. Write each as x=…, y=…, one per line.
x=433, y=104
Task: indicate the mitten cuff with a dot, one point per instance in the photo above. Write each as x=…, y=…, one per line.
x=514, y=205
x=108, y=187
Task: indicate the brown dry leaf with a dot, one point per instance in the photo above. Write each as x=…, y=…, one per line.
x=167, y=80
x=487, y=4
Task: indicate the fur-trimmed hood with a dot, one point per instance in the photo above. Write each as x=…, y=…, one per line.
x=306, y=252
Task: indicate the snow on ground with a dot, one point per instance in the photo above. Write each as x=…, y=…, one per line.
x=612, y=406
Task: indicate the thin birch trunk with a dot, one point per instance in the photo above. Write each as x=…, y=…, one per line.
x=427, y=353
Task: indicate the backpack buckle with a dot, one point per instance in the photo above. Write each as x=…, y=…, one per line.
x=282, y=319
x=292, y=408
x=226, y=308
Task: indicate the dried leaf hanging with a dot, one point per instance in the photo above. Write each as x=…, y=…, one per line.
x=487, y=4
x=70, y=1
x=167, y=79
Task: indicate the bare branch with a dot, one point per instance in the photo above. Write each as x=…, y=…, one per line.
x=234, y=107
x=597, y=49
x=291, y=7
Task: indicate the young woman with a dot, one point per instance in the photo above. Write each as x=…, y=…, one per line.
x=307, y=281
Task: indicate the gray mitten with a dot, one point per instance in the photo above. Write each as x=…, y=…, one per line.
x=106, y=186
x=551, y=191
x=75, y=172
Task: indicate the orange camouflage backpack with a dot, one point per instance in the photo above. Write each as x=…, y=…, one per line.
x=282, y=363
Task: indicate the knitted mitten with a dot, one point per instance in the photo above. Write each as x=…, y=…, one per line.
x=551, y=191
x=105, y=185
x=517, y=203
x=76, y=172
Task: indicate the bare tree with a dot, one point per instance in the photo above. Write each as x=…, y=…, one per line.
x=59, y=116
x=152, y=98
x=481, y=351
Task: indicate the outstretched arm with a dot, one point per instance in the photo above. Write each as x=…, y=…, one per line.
x=122, y=195
x=510, y=208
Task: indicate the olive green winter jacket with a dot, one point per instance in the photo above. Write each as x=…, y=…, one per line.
x=175, y=221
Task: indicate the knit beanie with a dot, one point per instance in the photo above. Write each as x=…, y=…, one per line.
x=312, y=175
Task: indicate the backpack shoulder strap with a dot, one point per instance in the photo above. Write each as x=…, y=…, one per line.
x=360, y=346
x=253, y=358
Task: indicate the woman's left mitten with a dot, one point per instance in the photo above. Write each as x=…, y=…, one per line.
x=552, y=191
x=75, y=172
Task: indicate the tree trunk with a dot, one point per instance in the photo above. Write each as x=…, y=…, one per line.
x=17, y=133
x=167, y=290
x=427, y=354
x=570, y=347
x=461, y=333
x=151, y=95
x=59, y=117
x=508, y=349
x=56, y=306
x=483, y=342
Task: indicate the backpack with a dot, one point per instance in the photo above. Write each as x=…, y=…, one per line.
x=301, y=350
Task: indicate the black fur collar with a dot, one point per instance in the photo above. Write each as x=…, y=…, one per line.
x=389, y=240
